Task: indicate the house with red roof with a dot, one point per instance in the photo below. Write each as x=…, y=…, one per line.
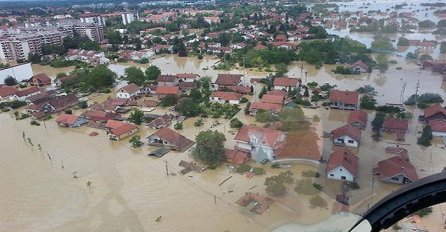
x=357, y=118
x=342, y=165
x=6, y=92
x=167, y=80
x=434, y=112
x=70, y=120
x=344, y=100
x=163, y=91
x=118, y=130
x=161, y=121
x=232, y=98
x=170, y=139
x=227, y=80
x=286, y=83
x=58, y=82
x=40, y=80
x=101, y=116
x=396, y=170
x=236, y=157
x=187, y=77
x=438, y=128
x=273, y=99
x=262, y=143
x=255, y=107
x=397, y=126
x=281, y=93
x=347, y=135
x=130, y=91
x=23, y=94
x=359, y=67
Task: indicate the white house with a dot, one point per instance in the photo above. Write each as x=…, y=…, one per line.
x=20, y=72
x=285, y=83
x=225, y=97
x=263, y=144
x=438, y=128
x=128, y=92
x=347, y=135
x=342, y=165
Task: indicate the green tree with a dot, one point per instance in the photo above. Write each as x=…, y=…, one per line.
x=136, y=117
x=188, y=107
x=10, y=81
x=196, y=95
x=99, y=78
x=424, y=212
x=262, y=92
x=34, y=58
x=368, y=102
x=235, y=123
x=383, y=62
x=152, y=72
x=210, y=148
x=426, y=24
x=425, y=57
x=443, y=47
x=275, y=185
x=382, y=44
x=182, y=51
x=169, y=100
x=135, y=75
x=136, y=142
x=318, y=201
x=403, y=42
x=178, y=126
x=426, y=136
x=90, y=45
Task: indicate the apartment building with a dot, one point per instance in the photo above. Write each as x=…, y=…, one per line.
x=17, y=47
x=92, y=18
x=128, y=17
x=93, y=31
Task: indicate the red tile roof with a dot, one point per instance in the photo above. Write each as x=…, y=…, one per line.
x=286, y=81
x=347, y=97
x=124, y=128
x=226, y=95
x=187, y=75
x=166, y=78
x=6, y=91
x=348, y=130
x=275, y=99
x=395, y=124
x=27, y=92
x=397, y=165
x=130, y=88
x=228, y=79
x=434, y=109
x=236, y=157
x=240, y=89
x=112, y=124
x=360, y=64
x=41, y=79
x=265, y=106
x=167, y=90
x=358, y=116
x=345, y=158
x=269, y=137
x=175, y=138
x=281, y=93
x=69, y=119
x=438, y=125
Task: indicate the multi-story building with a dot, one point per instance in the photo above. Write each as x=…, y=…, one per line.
x=128, y=17
x=93, y=31
x=18, y=47
x=92, y=18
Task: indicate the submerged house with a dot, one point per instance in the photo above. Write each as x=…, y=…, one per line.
x=118, y=130
x=342, y=165
x=347, y=135
x=170, y=139
x=397, y=126
x=225, y=97
x=130, y=91
x=358, y=118
x=396, y=170
x=344, y=100
x=434, y=112
x=263, y=144
x=359, y=67
x=228, y=80
x=70, y=120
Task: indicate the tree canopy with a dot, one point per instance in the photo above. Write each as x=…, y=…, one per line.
x=152, y=72
x=210, y=148
x=135, y=75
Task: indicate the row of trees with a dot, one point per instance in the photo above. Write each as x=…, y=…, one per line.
x=137, y=76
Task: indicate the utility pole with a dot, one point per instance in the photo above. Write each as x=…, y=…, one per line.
x=167, y=169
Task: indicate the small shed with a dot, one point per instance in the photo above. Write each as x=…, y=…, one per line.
x=159, y=152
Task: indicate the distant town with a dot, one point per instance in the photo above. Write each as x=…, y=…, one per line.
x=303, y=111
